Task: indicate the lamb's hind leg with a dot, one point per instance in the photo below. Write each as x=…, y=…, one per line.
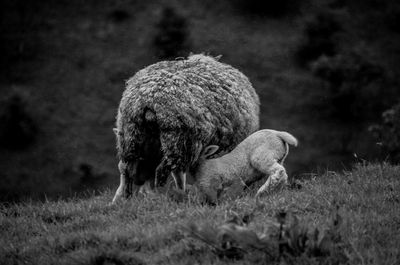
x=276, y=178
x=264, y=161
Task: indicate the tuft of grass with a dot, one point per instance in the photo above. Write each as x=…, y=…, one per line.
x=347, y=218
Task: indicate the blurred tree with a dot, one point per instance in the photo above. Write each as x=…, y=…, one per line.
x=119, y=15
x=19, y=41
x=18, y=129
x=388, y=133
x=319, y=39
x=171, y=39
x=357, y=89
x=268, y=8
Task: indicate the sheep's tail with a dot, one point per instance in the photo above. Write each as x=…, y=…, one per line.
x=149, y=115
x=288, y=139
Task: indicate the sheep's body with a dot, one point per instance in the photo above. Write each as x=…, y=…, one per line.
x=174, y=109
x=259, y=156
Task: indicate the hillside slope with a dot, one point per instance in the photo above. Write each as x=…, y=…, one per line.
x=363, y=204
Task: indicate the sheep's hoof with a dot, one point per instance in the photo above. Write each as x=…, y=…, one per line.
x=116, y=200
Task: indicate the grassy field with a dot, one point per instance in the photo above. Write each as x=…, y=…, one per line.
x=357, y=215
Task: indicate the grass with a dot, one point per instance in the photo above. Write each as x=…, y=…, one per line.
x=157, y=230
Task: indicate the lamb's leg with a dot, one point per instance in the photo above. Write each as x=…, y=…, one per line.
x=276, y=178
x=263, y=160
x=146, y=188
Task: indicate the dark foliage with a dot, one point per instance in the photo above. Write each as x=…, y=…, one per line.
x=384, y=13
x=388, y=133
x=19, y=41
x=171, y=39
x=354, y=85
x=18, y=129
x=390, y=15
x=319, y=38
x=119, y=15
x=270, y=8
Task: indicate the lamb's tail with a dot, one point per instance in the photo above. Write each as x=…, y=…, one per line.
x=288, y=139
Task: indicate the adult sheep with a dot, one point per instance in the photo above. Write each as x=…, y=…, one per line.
x=171, y=110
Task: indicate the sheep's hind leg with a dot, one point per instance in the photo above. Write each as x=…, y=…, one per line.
x=160, y=176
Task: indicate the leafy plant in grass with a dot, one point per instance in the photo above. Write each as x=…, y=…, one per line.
x=171, y=39
x=287, y=239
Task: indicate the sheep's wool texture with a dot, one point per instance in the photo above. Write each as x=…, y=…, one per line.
x=194, y=102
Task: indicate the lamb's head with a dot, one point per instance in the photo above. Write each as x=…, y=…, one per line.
x=196, y=172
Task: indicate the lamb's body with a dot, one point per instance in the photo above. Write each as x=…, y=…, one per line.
x=175, y=108
x=259, y=156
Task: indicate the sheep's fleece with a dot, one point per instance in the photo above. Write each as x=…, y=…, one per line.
x=187, y=104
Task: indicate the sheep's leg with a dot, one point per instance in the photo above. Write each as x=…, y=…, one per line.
x=131, y=187
x=120, y=190
x=179, y=179
x=175, y=179
x=122, y=183
x=160, y=178
x=174, y=148
x=277, y=177
x=126, y=186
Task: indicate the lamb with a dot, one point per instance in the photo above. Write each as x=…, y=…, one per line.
x=261, y=155
x=171, y=110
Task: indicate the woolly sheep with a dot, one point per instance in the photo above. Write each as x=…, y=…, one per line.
x=171, y=110
x=259, y=156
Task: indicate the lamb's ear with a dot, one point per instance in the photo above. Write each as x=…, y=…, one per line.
x=209, y=151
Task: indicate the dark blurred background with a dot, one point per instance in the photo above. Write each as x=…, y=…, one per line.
x=325, y=70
